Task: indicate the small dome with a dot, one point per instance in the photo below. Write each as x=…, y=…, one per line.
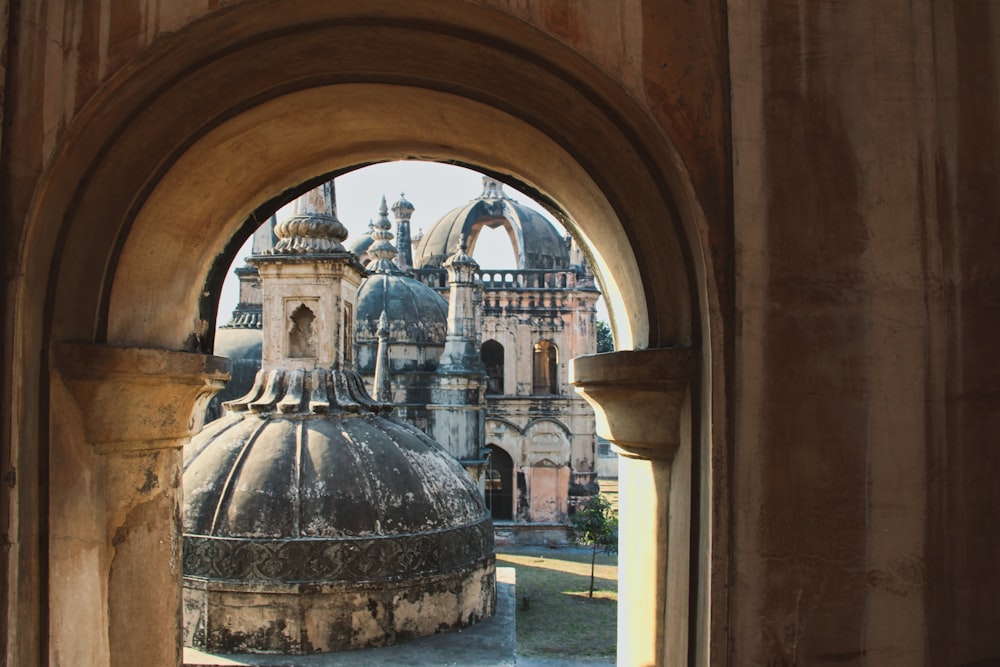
x=243, y=347
x=537, y=242
x=417, y=314
x=363, y=243
x=403, y=207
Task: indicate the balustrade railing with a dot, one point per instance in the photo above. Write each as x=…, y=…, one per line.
x=497, y=279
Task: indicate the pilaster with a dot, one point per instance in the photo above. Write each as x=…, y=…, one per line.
x=641, y=400
x=138, y=407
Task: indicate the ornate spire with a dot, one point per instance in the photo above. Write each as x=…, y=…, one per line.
x=492, y=189
x=401, y=211
x=402, y=208
x=382, y=251
x=382, y=387
x=461, y=263
x=307, y=283
x=461, y=351
x=314, y=227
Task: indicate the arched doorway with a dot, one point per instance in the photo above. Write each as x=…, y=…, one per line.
x=492, y=355
x=500, y=484
x=545, y=360
x=160, y=149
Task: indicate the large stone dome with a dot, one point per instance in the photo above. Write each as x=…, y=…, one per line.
x=537, y=243
x=313, y=523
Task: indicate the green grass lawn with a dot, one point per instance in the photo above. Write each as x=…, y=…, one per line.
x=560, y=620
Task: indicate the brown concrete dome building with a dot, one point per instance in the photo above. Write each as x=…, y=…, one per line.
x=312, y=522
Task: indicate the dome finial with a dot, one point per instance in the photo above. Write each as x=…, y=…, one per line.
x=492, y=189
x=382, y=251
x=314, y=227
x=460, y=259
x=402, y=210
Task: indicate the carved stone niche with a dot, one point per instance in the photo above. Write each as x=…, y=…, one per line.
x=638, y=397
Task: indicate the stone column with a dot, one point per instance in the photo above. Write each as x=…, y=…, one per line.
x=136, y=407
x=642, y=405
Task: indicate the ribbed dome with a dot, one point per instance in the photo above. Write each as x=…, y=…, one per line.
x=537, y=243
x=321, y=462
x=305, y=483
x=342, y=475
x=417, y=314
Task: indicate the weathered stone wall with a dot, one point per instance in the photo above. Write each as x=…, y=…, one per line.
x=865, y=145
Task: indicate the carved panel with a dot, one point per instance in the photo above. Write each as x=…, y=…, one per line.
x=337, y=560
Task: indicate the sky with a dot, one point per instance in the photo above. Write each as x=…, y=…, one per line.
x=433, y=188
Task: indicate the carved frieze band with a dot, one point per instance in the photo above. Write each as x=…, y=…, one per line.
x=334, y=560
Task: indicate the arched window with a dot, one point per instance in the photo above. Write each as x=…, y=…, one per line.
x=546, y=358
x=492, y=355
x=500, y=484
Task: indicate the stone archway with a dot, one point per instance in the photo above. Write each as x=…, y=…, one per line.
x=500, y=484
x=156, y=177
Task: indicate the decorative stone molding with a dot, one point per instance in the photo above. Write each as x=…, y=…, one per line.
x=135, y=399
x=638, y=397
x=338, y=560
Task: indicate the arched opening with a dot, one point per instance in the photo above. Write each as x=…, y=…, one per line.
x=545, y=362
x=499, y=481
x=492, y=355
x=154, y=151
x=301, y=337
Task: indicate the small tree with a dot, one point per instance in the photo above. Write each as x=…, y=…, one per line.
x=605, y=341
x=595, y=524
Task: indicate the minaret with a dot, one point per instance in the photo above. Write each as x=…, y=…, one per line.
x=401, y=211
x=459, y=397
x=382, y=251
x=461, y=349
x=309, y=284
x=382, y=387
x=246, y=315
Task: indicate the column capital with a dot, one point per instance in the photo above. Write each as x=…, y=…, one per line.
x=137, y=399
x=638, y=397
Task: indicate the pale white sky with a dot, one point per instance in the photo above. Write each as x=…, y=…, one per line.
x=433, y=189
